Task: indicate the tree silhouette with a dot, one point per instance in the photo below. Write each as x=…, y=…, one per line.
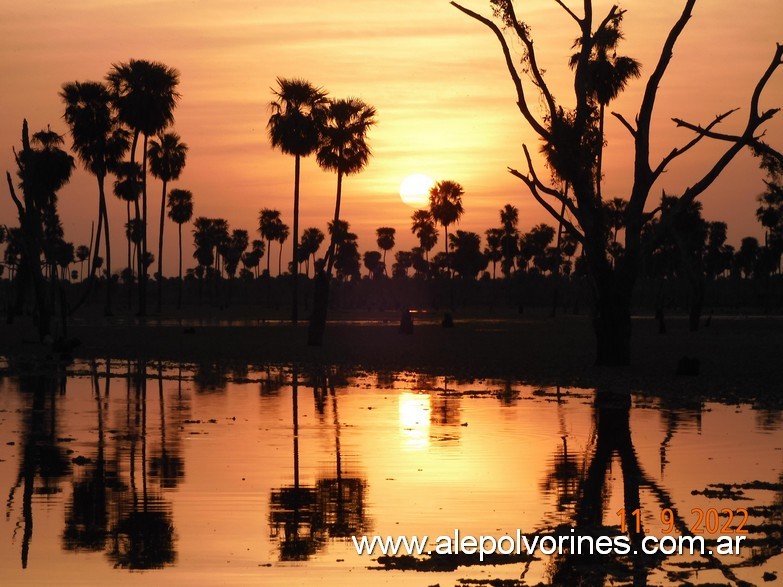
x=295, y=128
x=144, y=95
x=43, y=168
x=127, y=187
x=494, y=251
x=571, y=142
x=385, y=241
x=100, y=143
x=167, y=159
x=311, y=242
x=446, y=206
x=509, y=243
x=607, y=76
x=282, y=236
x=423, y=227
x=467, y=259
x=180, y=204
x=343, y=149
x=269, y=224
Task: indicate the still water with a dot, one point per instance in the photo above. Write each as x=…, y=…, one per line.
x=126, y=473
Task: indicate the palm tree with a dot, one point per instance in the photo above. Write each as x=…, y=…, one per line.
x=311, y=242
x=144, y=95
x=494, y=249
x=607, y=76
x=509, y=219
x=446, y=206
x=167, y=159
x=269, y=226
x=180, y=205
x=82, y=254
x=294, y=128
x=99, y=143
x=423, y=227
x=127, y=187
x=282, y=236
x=385, y=236
x=344, y=147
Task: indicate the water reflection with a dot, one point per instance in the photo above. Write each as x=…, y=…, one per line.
x=43, y=457
x=302, y=518
x=106, y=453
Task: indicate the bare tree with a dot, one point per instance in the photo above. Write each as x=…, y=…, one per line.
x=571, y=143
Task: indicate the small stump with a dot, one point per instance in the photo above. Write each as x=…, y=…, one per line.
x=448, y=321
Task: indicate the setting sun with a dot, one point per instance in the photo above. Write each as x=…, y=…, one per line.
x=415, y=190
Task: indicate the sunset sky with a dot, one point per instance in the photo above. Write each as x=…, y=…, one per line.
x=445, y=104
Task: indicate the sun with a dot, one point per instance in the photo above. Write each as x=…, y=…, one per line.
x=415, y=190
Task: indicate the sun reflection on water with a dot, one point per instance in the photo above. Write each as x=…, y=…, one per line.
x=415, y=420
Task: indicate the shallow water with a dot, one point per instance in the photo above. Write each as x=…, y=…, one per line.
x=123, y=473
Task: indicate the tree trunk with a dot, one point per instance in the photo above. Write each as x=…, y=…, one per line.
x=143, y=244
x=107, y=310
x=295, y=261
x=612, y=323
x=179, y=284
x=130, y=261
x=317, y=325
x=160, y=246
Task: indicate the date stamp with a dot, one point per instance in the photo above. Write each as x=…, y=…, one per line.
x=710, y=521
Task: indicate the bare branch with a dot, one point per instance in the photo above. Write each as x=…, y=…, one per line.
x=650, y=92
x=626, y=124
x=747, y=138
x=676, y=152
x=569, y=11
x=531, y=56
x=534, y=190
x=521, y=101
x=546, y=189
x=19, y=205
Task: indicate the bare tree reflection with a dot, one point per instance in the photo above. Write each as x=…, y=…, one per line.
x=43, y=461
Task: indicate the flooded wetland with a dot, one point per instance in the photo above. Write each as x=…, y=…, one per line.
x=119, y=472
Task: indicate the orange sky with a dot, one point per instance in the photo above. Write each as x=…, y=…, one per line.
x=445, y=103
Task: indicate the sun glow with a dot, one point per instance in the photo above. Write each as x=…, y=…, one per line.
x=415, y=190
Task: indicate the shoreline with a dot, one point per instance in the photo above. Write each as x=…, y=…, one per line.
x=739, y=357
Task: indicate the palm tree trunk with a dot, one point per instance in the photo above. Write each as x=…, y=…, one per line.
x=295, y=262
x=143, y=248
x=160, y=246
x=130, y=259
x=107, y=310
x=280, y=260
x=179, y=284
x=330, y=253
x=317, y=326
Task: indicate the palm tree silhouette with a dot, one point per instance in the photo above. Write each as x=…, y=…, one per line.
x=100, y=144
x=282, y=235
x=311, y=242
x=385, y=241
x=509, y=244
x=269, y=226
x=494, y=250
x=144, y=95
x=446, y=206
x=180, y=211
x=127, y=187
x=344, y=148
x=167, y=159
x=294, y=128
x=607, y=75
x=423, y=227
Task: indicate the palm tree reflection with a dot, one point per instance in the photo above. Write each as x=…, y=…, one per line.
x=303, y=517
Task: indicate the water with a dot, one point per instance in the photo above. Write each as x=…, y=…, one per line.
x=120, y=473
